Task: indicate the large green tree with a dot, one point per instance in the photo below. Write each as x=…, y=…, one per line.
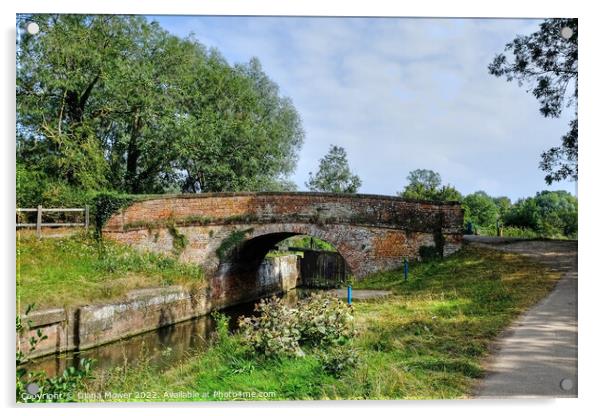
x=503, y=204
x=59, y=83
x=425, y=184
x=244, y=135
x=334, y=174
x=480, y=209
x=550, y=213
x=546, y=61
x=117, y=102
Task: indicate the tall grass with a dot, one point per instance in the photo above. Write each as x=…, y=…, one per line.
x=79, y=270
x=426, y=341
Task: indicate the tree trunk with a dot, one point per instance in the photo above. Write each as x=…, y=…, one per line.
x=133, y=155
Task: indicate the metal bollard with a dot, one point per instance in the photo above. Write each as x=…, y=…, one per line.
x=349, y=295
x=406, y=269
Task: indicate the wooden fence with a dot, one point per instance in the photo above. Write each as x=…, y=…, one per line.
x=40, y=212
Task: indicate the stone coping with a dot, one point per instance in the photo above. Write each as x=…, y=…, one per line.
x=146, y=197
x=45, y=317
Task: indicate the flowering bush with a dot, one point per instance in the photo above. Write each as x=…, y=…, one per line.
x=325, y=320
x=274, y=331
x=337, y=359
x=320, y=320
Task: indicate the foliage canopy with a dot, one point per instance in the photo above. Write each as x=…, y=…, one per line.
x=547, y=62
x=548, y=213
x=117, y=103
x=334, y=174
x=424, y=184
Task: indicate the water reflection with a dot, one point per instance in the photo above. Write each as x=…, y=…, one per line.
x=163, y=347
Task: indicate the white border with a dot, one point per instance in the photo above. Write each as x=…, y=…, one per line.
x=468, y=8
x=589, y=188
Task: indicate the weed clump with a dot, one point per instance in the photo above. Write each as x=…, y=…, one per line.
x=320, y=324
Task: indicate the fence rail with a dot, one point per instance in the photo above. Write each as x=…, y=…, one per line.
x=40, y=211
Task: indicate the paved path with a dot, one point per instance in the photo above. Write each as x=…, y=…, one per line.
x=537, y=355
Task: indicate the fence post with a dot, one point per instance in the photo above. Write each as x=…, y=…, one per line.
x=87, y=217
x=39, y=222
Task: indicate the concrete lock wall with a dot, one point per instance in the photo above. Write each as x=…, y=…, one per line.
x=144, y=310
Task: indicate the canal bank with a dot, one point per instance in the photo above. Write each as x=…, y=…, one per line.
x=162, y=346
x=427, y=340
x=167, y=345
x=83, y=327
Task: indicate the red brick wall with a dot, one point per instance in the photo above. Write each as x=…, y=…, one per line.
x=292, y=207
x=371, y=232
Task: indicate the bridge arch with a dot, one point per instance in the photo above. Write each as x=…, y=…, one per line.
x=371, y=232
x=247, y=255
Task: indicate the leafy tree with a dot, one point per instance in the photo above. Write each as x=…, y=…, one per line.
x=480, y=209
x=146, y=92
x=547, y=62
x=307, y=242
x=503, y=204
x=448, y=193
x=117, y=102
x=56, y=79
x=334, y=174
x=245, y=136
x=523, y=214
x=277, y=185
x=426, y=185
x=550, y=213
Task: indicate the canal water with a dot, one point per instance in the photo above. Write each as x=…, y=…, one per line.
x=162, y=347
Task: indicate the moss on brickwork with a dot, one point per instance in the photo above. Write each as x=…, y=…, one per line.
x=106, y=205
x=228, y=243
x=240, y=219
x=190, y=220
x=153, y=225
x=134, y=225
x=195, y=220
x=179, y=240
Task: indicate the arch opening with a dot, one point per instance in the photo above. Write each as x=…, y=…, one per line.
x=319, y=264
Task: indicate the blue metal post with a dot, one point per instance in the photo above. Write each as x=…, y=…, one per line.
x=349, y=295
x=406, y=268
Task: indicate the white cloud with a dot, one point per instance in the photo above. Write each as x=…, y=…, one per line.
x=399, y=94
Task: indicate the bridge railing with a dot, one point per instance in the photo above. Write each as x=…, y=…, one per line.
x=85, y=211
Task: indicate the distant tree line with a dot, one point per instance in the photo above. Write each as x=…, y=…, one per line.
x=548, y=213
x=117, y=103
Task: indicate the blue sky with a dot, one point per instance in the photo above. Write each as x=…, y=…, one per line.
x=398, y=94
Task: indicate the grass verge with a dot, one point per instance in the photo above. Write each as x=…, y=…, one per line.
x=78, y=270
x=427, y=341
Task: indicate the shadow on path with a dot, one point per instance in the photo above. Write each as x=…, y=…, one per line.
x=537, y=355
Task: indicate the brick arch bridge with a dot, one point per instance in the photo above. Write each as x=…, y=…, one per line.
x=229, y=234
